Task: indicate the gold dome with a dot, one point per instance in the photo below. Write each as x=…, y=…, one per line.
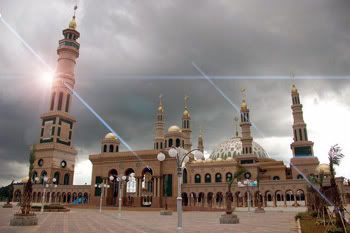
x=174, y=128
x=110, y=136
x=294, y=89
x=160, y=109
x=323, y=168
x=73, y=24
x=243, y=104
x=186, y=113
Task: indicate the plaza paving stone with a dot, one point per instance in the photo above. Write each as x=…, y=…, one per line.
x=91, y=221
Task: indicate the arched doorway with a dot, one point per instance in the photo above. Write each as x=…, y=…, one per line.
x=193, y=199
x=112, y=192
x=300, y=197
x=184, y=199
x=219, y=199
x=210, y=199
x=130, y=187
x=201, y=200
x=147, y=187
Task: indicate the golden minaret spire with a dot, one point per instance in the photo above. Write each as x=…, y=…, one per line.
x=73, y=23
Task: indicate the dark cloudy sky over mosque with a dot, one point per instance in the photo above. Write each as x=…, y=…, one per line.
x=132, y=51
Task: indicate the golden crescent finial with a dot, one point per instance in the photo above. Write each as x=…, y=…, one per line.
x=160, y=100
x=243, y=92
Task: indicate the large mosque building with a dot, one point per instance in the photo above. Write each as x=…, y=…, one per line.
x=153, y=183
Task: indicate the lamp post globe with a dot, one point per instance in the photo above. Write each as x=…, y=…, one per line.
x=172, y=152
x=45, y=178
x=53, y=180
x=161, y=156
x=111, y=178
x=124, y=178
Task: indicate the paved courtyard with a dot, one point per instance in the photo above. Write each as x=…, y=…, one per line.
x=90, y=220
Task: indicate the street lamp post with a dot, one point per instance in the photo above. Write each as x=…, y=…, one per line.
x=120, y=179
x=182, y=157
x=102, y=186
x=45, y=185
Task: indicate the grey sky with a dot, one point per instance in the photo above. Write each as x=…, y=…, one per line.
x=131, y=51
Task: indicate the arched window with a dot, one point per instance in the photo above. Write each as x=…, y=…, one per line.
x=170, y=142
x=111, y=148
x=156, y=146
x=300, y=135
x=165, y=144
x=105, y=148
x=300, y=177
x=116, y=148
x=57, y=177
x=43, y=174
x=178, y=142
x=161, y=145
x=228, y=176
x=207, y=178
x=197, y=178
x=66, y=179
x=52, y=100
x=184, y=176
x=35, y=174
x=60, y=99
x=218, y=178
x=276, y=178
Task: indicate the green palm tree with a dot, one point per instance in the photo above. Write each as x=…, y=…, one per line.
x=334, y=156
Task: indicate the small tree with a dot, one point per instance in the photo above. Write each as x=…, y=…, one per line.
x=237, y=175
x=27, y=193
x=334, y=157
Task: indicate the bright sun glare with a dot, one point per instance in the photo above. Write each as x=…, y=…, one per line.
x=46, y=78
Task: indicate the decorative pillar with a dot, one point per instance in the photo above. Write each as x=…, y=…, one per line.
x=158, y=186
x=274, y=200
x=263, y=201
x=285, y=200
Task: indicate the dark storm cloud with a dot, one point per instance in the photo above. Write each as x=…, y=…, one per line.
x=122, y=42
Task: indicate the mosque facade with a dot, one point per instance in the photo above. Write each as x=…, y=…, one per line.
x=139, y=179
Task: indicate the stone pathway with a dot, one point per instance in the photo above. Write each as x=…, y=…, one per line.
x=91, y=221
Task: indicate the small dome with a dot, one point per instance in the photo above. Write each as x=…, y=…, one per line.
x=186, y=113
x=25, y=179
x=174, y=128
x=294, y=89
x=323, y=167
x=73, y=24
x=160, y=109
x=233, y=148
x=110, y=136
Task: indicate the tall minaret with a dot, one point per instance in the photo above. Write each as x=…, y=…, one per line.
x=186, y=128
x=246, y=139
x=200, y=141
x=302, y=148
x=55, y=154
x=159, y=127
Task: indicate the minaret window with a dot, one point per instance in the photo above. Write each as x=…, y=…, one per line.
x=300, y=135
x=305, y=134
x=250, y=150
x=161, y=145
x=60, y=99
x=67, y=102
x=117, y=149
x=105, y=148
x=111, y=148
x=295, y=135
x=170, y=142
x=178, y=142
x=52, y=100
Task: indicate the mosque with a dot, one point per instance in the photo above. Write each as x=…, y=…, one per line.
x=152, y=183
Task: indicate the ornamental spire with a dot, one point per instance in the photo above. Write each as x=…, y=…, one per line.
x=73, y=23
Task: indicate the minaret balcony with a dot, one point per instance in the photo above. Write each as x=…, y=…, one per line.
x=68, y=44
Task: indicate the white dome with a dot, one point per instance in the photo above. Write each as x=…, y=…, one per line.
x=233, y=148
x=110, y=136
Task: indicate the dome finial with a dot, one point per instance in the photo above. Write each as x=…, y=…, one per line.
x=186, y=101
x=73, y=23
x=236, y=123
x=160, y=108
x=186, y=113
x=294, y=88
x=244, y=104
